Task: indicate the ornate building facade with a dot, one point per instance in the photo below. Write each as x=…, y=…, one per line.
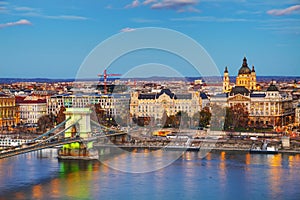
x=8, y=111
x=270, y=107
x=31, y=108
x=297, y=115
x=266, y=108
x=155, y=104
x=245, y=78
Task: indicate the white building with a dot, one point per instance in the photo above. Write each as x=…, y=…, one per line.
x=31, y=108
x=113, y=104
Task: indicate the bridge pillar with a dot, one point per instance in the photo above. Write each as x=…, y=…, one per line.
x=81, y=114
x=78, y=150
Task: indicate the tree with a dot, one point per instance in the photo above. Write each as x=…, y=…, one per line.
x=203, y=117
x=164, y=119
x=237, y=117
x=61, y=115
x=217, y=117
x=45, y=122
x=183, y=118
x=100, y=113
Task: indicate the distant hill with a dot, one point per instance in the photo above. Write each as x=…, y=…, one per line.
x=190, y=79
x=39, y=80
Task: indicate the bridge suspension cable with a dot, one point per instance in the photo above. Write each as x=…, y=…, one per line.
x=60, y=132
x=105, y=127
x=52, y=130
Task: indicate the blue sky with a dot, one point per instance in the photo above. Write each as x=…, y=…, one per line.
x=51, y=38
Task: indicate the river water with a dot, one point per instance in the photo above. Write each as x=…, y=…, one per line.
x=218, y=175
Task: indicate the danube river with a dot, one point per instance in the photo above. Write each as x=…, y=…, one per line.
x=218, y=175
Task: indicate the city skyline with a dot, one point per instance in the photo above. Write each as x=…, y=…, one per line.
x=51, y=39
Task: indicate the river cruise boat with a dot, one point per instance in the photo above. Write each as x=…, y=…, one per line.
x=264, y=148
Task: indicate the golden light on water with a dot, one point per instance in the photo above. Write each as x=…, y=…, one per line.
x=275, y=173
x=19, y=195
x=37, y=192
x=55, y=187
x=248, y=159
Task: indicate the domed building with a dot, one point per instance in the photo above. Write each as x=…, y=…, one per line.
x=246, y=78
x=267, y=108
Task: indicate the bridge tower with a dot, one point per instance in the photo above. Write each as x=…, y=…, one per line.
x=82, y=115
x=78, y=150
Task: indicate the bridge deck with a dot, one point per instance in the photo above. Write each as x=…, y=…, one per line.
x=43, y=145
x=36, y=147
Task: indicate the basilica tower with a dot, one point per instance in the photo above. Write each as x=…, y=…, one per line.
x=226, y=81
x=253, y=79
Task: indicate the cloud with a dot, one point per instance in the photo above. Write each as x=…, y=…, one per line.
x=3, y=3
x=17, y=23
x=174, y=4
x=133, y=4
x=3, y=10
x=57, y=17
x=36, y=12
x=210, y=19
x=142, y=20
x=286, y=11
x=147, y=2
x=23, y=8
x=178, y=5
x=286, y=26
x=127, y=29
x=189, y=9
x=66, y=17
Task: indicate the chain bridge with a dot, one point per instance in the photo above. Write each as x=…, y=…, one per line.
x=73, y=137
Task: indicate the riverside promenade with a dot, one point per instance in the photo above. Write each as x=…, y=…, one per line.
x=237, y=142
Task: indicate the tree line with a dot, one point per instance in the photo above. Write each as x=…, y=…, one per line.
x=233, y=118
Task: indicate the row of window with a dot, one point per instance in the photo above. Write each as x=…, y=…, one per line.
x=7, y=103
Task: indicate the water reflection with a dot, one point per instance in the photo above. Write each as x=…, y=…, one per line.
x=222, y=170
x=275, y=173
x=248, y=159
x=218, y=175
x=37, y=192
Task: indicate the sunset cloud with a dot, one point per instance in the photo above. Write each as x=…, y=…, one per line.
x=173, y=4
x=286, y=11
x=17, y=23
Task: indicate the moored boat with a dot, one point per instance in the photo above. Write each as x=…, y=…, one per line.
x=264, y=148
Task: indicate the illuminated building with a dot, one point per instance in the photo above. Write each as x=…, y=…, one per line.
x=31, y=108
x=112, y=104
x=8, y=111
x=270, y=107
x=297, y=115
x=155, y=104
x=246, y=78
x=266, y=108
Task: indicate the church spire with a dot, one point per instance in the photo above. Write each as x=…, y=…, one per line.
x=245, y=62
x=253, y=70
x=226, y=70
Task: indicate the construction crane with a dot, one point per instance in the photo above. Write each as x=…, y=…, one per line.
x=105, y=76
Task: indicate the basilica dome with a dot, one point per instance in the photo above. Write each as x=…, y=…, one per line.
x=245, y=69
